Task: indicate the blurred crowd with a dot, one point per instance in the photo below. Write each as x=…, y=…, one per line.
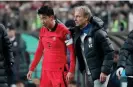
x=115, y=14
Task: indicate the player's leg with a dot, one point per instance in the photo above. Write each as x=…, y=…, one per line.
x=58, y=79
x=45, y=81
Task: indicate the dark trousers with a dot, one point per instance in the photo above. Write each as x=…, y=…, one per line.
x=88, y=80
x=11, y=76
x=129, y=82
x=113, y=80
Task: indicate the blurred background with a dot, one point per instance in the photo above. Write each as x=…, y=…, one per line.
x=22, y=16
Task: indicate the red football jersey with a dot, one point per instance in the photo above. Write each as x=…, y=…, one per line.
x=53, y=45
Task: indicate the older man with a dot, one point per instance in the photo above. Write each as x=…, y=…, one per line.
x=93, y=47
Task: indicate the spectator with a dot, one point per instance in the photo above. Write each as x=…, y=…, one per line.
x=126, y=60
x=20, y=67
x=113, y=80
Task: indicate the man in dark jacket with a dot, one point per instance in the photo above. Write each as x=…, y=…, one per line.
x=6, y=57
x=113, y=79
x=126, y=60
x=93, y=47
x=20, y=67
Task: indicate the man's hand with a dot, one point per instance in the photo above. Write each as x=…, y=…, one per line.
x=119, y=72
x=29, y=75
x=69, y=77
x=103, y=77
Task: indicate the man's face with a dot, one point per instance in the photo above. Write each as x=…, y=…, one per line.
x=11, y=33
x=46, y=20
x=79, y=18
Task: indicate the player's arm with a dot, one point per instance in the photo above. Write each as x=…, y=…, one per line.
x=69, y=44
x=38, y=55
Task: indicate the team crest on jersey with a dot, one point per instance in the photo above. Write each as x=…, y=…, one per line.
x=54, y=38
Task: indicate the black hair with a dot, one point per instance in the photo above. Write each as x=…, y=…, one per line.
x=10, y=27
x=46, y=10
x=70, y=23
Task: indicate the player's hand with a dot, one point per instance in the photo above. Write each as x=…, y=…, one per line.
x=119, y=72
x=103, y=77
x=29, y=75
x=69, y=77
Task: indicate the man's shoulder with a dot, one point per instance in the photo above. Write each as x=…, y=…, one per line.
x=42, y=30
x=97, y=21
x=101, y=33
x=62, y=27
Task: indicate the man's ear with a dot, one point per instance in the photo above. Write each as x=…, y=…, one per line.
x=86, y=18
x=52, y=17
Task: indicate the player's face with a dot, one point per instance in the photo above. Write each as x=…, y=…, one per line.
x=79, y=18
x=46, y=20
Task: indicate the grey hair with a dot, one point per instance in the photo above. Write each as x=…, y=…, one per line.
x=85, y=9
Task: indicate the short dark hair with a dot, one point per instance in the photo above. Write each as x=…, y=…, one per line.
x=10, y=27
x=46, y=10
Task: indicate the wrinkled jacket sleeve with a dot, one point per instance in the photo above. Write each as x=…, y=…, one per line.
x=8, y=54
x=108, y=51
x=126, y=50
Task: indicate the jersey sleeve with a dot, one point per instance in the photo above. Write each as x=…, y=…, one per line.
x=38, y=54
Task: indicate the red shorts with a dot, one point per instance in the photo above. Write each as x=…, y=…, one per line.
x=53, y=79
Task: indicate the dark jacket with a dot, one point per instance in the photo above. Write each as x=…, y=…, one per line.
x=6, y=56
x=19, y=48
x=126, y=55
x=99, y=55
